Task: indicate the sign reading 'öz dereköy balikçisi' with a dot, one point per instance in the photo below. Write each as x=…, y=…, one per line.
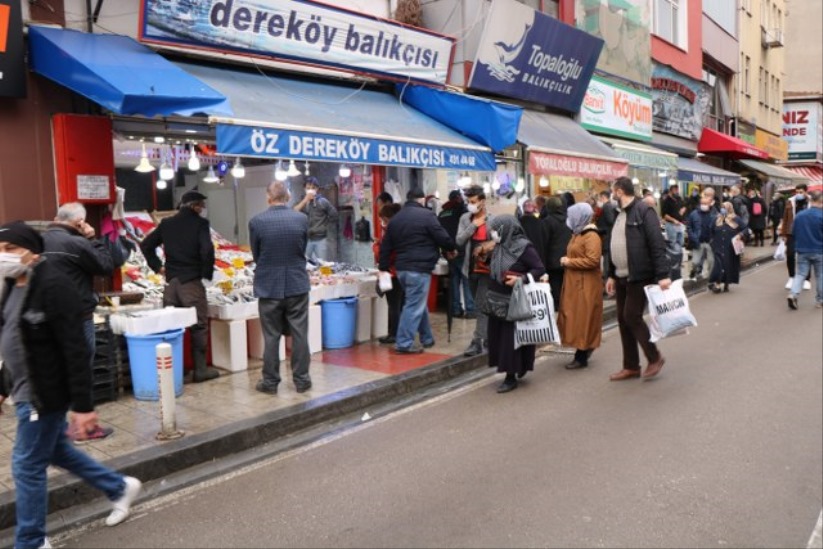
x=305, y=31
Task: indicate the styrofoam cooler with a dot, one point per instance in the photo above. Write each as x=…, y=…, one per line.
x=379, y=318
x=257, y=342
x=229, y=345
x=364, y=313
x=315, y=329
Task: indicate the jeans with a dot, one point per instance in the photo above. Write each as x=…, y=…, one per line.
x=805, y=263
x=459, y=282
x=674, y=238
x=317, y=249
x=275, y=316
x=700, y=256
x=414, y=318
x=40, y=443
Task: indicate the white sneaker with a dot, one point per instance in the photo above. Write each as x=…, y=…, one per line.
x=807, y=285
x=789, y=284
x=46, y=544
x=122, y=506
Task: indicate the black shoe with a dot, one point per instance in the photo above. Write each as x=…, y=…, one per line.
x=521, y=375
x=263, y=387
x=211, y=373
x=386, y=340
x=428, y=345
x=471, y=315
x=475, y=348
x=792, y=302
x=408, y=351
x=303, y=387
x=507, y=385
x=725, y=287
x=713, y=288
x=574, y=365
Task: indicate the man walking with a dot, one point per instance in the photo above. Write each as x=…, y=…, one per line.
x=449, y=217
x=808, y=243
x=69, y=243
x=186, y=241
x=673, y=212
x=471, y=234
x=638, y=258
x=322, y=215
x=45, y=353
x=794, y=206
x=416, y=236
x=699, y=228
x=278, y=238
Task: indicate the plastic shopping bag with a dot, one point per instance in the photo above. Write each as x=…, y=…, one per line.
x=780, y=252
x=542, y=328
x=519, y=305
x=669, y=312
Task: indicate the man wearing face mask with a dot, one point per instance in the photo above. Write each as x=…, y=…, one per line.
x=43, y=348
x=416, y=237
x=699, y=228
x=638, y=258
x=186, y=241
x=794, y=205
x=471, y=235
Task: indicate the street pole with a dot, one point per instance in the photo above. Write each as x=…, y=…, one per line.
x=165, y=381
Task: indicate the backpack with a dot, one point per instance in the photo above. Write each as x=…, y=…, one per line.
x=757, y=208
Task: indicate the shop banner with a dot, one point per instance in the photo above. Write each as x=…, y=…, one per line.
x=701, y=178
x=541, y=163
x=777, y=148
x=273, y=143
x=803, y=129
x=746, y=131
x=680, y=103
x=624, y=26
x=645, y=159
x=529, y=55
x=616, y=110
x=12, y=63
x=305, y=32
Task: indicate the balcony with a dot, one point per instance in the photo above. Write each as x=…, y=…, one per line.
x=771, y=38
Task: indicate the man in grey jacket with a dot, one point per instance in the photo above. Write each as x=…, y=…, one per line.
x=322, y=215
x=471, y=233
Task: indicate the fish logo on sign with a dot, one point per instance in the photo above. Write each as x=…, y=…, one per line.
x=499, y=59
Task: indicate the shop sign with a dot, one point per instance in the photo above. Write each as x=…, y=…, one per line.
x=647, y=159
x=777, y=148
x=541, y=163
x=529, y=55
x=680, y=103
x=746, y=131
x=12, y=63
x=616, y=110
x=305, y=32
x=707, y=178
x=274, y=143
x=803, y=129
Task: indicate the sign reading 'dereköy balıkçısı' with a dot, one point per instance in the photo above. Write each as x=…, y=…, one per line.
x=527, y=54
x=304, y=31
x=299, y=145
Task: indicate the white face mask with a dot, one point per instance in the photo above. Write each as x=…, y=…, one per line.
x=204, y=213
x=473, y=208
x=704, y=208
x=11, y=266
x=495, y=236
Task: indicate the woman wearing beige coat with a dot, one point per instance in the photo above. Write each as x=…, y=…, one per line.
x=580, y=319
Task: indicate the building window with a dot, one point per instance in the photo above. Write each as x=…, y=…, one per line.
x=760, y=86
x=747, y=76
x=670, y=21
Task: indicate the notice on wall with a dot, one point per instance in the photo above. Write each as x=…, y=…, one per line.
x=93, y=187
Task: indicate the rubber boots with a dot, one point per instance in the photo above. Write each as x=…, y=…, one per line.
x=202, y=372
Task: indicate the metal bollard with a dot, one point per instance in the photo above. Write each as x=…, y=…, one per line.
x=165, y=381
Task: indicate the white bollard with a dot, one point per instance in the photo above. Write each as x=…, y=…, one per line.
x=165, y=381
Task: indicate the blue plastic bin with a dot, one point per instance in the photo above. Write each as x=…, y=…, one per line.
x=339, y=322
x=143, y=363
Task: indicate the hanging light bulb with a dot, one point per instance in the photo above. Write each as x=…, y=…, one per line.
x=238, y=171
x=635, y=181
x=307, y=169
x=292, y=171
x=520, y=186
x=280, y=174
x=465, y=180
x=487, y=188
x=194, y=162
x=161, y=184
x=544, y=182
x=672, y=182
x=496, y=185
x=166, y=171
x=211, y=177
x=344, y=171
x=144, y=166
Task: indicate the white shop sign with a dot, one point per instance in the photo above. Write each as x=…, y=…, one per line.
x=616, y=110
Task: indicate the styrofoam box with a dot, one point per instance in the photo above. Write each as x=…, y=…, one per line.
x=153, y=321
x=367, y=287
x=315, y=329
x=380, y=318
x=364, y=319
x=229, y=344
x=234, y=311
x=257, y=342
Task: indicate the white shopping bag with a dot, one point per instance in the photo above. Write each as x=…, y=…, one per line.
x=669, y=312
x=542, y=328
x=780, y=252
x=384, y=281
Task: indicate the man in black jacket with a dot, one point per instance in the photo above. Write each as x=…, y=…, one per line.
x=186, y=241
x=42, y=345
x=449, y=218
x=70, y=244
x=417, y=237
x=638, y=258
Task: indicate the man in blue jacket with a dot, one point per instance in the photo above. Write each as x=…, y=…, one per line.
x=808, y=243
x=417, y=237
x=699, y=227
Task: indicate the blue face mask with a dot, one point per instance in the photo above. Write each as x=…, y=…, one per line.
x=722, y=211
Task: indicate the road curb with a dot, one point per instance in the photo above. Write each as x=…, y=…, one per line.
x=65, y=491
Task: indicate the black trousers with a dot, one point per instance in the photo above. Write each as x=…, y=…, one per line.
x=191, y=294
x=631, y=304
x=394, y=299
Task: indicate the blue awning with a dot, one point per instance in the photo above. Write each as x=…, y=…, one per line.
x=281, y=117
x=689, y=169
x=120, y=74
x=489, y=122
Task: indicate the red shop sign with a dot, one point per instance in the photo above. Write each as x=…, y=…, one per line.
x=575, y=166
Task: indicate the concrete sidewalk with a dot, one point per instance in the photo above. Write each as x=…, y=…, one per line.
x=227, y=416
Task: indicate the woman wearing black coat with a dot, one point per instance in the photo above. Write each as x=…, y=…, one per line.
x=776, y=209
x=727, y=227
x=557, y=237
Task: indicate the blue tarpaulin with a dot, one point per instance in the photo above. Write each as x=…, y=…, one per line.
x=120, y=74
x=491, y=123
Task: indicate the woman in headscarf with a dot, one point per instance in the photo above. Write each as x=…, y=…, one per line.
x=580, y=319
x=728, y=227
x=512, y=258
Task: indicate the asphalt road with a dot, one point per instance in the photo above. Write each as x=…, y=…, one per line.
x=723, y=449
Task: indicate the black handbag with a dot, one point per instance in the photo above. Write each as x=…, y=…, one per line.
x=492, y=303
